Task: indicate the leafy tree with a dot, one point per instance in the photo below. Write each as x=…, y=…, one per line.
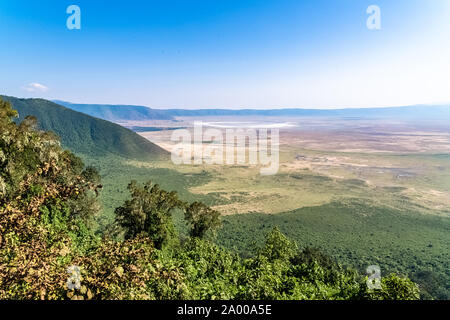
x=278, y=246
x=393, y=287
x=149, y=211
x=201, y=218
x=310, y=255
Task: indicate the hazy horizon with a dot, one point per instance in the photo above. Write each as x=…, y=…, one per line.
x=255, y=108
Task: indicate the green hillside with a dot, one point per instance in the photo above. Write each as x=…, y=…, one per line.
x=84, y=134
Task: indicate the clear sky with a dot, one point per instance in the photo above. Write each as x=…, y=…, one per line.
x=227, y=53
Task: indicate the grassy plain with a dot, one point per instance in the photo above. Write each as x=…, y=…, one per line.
x=396, y=164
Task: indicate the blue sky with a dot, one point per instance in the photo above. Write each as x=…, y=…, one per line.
x=227, y=53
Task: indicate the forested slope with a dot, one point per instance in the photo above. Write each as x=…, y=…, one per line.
x=84, y=134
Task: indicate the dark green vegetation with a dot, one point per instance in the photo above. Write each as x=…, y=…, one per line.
x=201, y=218
x=47, y=206
x=149, y=211
x=84, y=134
x=358, y=235
x=117, y=112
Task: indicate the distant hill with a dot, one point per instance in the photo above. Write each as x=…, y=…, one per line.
x=126, y=112
x=84, y=134
x=407, y=112
x=117, y=112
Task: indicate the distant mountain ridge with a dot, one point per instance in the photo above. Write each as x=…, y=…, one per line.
x=84, y=134
x=117, y=112
x=128, y=112
x=420, y=112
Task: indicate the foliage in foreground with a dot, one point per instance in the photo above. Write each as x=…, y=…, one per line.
x=48, y=201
